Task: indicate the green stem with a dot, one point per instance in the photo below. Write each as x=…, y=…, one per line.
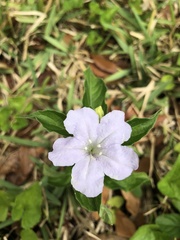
x=61, y=219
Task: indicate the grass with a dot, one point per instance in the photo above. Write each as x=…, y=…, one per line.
x=45, y=48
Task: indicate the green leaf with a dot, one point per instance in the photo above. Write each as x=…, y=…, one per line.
x=51, y=120
x=140, y=127
x=5, y=114
x=23, y=141
x=107, y=215
x=19, y=123
x=4, y=205
x=93, y=38
x=115, y=202
x=170, y=80
x=134, y=180
x=170, y=224
x=20, y=103
x=170, y=184
x=59, y=44
x=27, y=206
x=28, y=234
x=95, y=91
x=149, y=232
x=91, y=204
x=69, y=5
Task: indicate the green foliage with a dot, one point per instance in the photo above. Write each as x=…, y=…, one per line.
x=136, y=4
x=51, y=120
x=4, y=205
x=28, y=234
x=5, y=113
x=69, y=5
x=57, y=178
x=115, y=202
x=107, y=215
x=91, y=204
x=93, y=38
x=27, y=206
x=170, y=80
x=170, y=224
x=134, y=180
x=10, y=114
x=149, y=232
x=170, y=184
x=140, y=127
x=94, y=91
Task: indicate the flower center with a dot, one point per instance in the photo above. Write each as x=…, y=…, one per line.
x=93, y=149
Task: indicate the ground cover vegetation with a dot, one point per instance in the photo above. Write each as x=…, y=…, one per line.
x=53, y=56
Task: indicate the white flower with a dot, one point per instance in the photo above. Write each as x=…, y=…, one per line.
x=95, y=149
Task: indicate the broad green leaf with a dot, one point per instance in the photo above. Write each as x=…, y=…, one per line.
x=19, y=123
x=91, y=204
x=27, y=206
x=95, y=91
x=51, y=120
x=69, y=5
x=107, y=215
x=28, y=234
x=19, y=104
x=5, y=113
x=140, y=127
x=134, y=180
x=170, y=224
x=4, y=205
x=170, y=184
x=149, y=232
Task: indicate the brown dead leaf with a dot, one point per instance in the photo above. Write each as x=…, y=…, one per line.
x=144, y=165
x=124, y=226
x=105, y=197
x=106, y=194
x=130, y=112
x=68, y=39
x=132, y=203
x=139, y=220
x=104, y=64
x=166, y=13
x=160, y=120
x=18, y=165
x=98, y=72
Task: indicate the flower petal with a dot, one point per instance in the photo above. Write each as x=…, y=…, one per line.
x=119, y=161
x=113, y=129
x=67, y=151
x=88, y=177
x=82, y=123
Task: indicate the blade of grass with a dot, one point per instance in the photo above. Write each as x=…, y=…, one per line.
x=24, y=142
x=6, y=223
x=59, y=44
x=118, y=75
x=50, y=22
